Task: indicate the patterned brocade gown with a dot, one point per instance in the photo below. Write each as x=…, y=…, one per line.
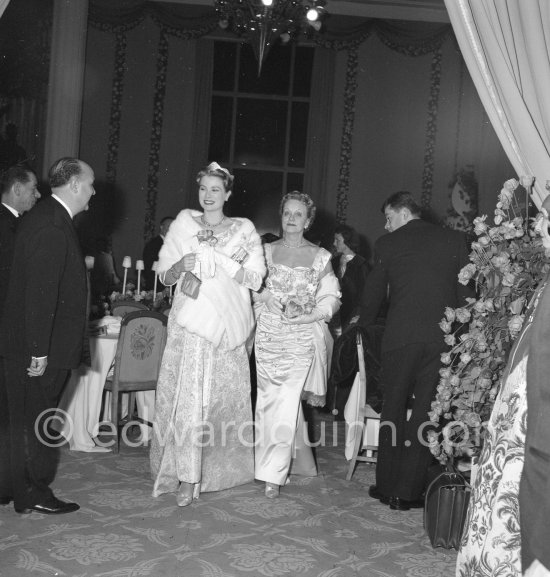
x=491, y=545
x=203, y=414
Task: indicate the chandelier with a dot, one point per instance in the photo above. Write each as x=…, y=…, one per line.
x=262, y=22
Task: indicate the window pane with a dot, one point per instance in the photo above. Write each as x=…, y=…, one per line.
x=220, y=128
x=294, y=181
x=225, y=61
x=275, y=75
x=261, y=128
x=298, y=134
x=303, y=68
x=256, y=195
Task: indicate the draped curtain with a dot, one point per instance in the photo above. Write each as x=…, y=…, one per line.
x=3, y=5
x=505, y=44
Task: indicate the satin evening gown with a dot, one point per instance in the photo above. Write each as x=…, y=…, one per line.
x=292, y=363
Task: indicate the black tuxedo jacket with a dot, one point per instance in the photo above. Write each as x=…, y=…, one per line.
x=417, y=267
x=45, y=310
x=8, y=224
x=150, y=255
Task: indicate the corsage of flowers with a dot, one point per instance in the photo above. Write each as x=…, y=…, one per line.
x=295, y=306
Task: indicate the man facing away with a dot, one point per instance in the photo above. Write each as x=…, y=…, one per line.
x=417, y=265
x=151, y=253
x=42, y=333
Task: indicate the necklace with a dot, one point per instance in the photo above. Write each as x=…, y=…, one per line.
x=210, y=224
x=293, y=245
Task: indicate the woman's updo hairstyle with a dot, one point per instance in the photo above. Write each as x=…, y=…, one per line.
x=304, y=199
x=214, y=169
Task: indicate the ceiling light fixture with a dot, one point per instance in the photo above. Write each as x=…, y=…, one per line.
x=263, y=22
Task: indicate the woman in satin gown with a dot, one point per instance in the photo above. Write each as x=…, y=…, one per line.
x=292, y=345
x=203, y=431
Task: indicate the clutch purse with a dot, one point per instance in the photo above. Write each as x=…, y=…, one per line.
x=445, y=509
x=190, y=285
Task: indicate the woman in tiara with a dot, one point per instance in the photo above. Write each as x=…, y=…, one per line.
x=293, y=344
x=203, y=433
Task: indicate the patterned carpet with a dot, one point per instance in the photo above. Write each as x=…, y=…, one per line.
x=319, y=527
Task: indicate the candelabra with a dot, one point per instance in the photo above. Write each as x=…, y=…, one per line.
x=263, y=22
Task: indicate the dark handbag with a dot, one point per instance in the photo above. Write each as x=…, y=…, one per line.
x=445, y=509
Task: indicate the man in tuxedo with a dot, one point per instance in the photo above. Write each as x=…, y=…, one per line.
x=417, y=266
x=151, y=253
x=19, y=194
x=42, y=334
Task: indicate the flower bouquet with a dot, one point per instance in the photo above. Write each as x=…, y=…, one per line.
x=507, y=263
x=160, y=302
x=297, y=305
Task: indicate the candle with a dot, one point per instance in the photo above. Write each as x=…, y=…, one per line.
x=139, y=267
x=89, y=260
x=155, y=268
x=126, y=264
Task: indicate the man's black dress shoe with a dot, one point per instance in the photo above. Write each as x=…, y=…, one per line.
x=376, y=494
x=398, y=504
x=5, y=500
x=52, y=506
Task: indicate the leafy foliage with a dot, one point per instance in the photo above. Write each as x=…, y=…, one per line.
x=507, y=263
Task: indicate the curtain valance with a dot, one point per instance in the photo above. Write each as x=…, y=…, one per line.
x=185, y=21
x=339, y=32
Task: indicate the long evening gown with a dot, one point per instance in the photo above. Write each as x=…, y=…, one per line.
x=491, y=544
x=292, y=362
x=203, y=429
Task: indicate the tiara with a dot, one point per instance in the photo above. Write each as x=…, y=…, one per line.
x=216, y=166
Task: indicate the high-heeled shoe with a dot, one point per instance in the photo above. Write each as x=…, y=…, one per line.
x=185, y=494
x=272, y=490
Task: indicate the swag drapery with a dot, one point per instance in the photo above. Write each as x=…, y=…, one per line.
x=506, y=46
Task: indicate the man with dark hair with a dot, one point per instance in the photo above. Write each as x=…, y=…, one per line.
x=417, y=265
x=19, y=194
x=151, y=253
x=42, y=334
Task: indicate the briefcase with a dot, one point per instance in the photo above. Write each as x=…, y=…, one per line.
x=446, y=505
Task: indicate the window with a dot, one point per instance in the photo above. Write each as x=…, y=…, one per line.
x=259, y=125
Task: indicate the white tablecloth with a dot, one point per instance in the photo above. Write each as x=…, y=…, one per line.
x=81, y=399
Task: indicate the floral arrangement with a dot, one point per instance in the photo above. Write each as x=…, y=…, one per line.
x=146, y=297
x=160, y=302
x=507, y=263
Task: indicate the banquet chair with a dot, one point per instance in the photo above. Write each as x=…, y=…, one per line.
x=365, y=420
x=137, y=361
x=344, y=367
x=121, y=308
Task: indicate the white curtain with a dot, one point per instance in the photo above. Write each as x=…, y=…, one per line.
x=3, y=4
x=506, y=46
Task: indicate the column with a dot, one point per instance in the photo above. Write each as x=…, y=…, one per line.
x=66, y=82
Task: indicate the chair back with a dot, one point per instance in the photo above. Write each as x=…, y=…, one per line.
x=362, y=400
x=122, y=308
x=139, y=350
